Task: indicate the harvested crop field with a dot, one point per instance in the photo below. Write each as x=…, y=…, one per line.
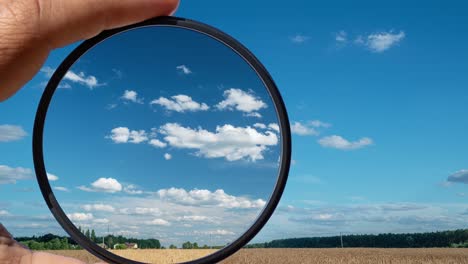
x=296, y=256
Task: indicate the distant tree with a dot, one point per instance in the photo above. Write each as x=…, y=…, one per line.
x=187, y=245
x=120, y=246
x=205, y=246
x=163, y=247
x=88, y=234
x=173, y=247
x=195, y=245
x=110, y=242
x=93, y=236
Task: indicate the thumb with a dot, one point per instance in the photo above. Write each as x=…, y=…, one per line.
x=30, y=29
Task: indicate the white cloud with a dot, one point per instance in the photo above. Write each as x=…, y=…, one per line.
x=341, y=37
x=205, y=197
x=460, y=176
x=184, y=69
x=4, y=213
x=60, y=188
x=146, y=211
x=9, y=175
x=132, y=189
x=140, y=211
x=131, y=96
x=303, y=129
x=80, y=217
x=340, y=143
x=64, y=85
x=237, y=99
x=167, y=156
x=98, y=207
x=318, y=124
x=218, y=232
x=124, y=135
x=158, y=222
x=299, y=38
x=274, y=127
x=229, y=142
x=260, y=125
x=157, y=143
x=108, y=185
x=52, y=177
x=81, y=78
x=101, y=221
x=380, y=42
x=195, y=218
x=10, y=133
x=180, y=103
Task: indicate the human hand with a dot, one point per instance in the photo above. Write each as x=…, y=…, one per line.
x=30, y=29
x=11, y=252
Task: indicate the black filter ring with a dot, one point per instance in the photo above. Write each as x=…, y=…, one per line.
x=53, y=83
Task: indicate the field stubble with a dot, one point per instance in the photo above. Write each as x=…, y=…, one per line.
x=296, y=256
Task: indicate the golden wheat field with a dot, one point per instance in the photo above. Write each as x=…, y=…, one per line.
x=296, y=256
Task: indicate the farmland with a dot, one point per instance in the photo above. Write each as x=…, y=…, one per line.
x=296, y=256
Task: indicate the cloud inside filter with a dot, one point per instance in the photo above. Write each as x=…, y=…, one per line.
x=180, y=103
x=227, y=141
x=246, y=102
x=184, y=69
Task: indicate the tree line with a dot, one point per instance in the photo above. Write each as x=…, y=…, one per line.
x=455, y=238
x=54, y=242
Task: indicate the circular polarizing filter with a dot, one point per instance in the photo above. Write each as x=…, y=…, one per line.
x=170, y=141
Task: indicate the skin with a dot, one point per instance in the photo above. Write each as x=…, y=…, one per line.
x=29, y=30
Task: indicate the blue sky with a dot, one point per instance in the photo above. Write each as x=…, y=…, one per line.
x=377, y=100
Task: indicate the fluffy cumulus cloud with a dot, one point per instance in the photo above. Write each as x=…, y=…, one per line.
x=131, y=96
x=157, y=143
x=9, y=175
x=132, y=189
x=167, y=156
x=52, y=177
x=459, y=177
x=339, y=142
x=382, y=41
x=229, y=142
x=299, y=38
x=81, y=78
x=107, y=185
x=237, y=99
x=80, y=217
x=98, y=207
x=303, y=129
x=10, y=133
x=184, y=69
x=206, y=197
x=124, y=135
x=180, y=103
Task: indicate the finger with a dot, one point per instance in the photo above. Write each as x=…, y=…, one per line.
x=4, y=232
x=31, y=28
x=63, y=22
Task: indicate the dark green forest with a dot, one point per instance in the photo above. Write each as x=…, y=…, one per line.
x=456, y=238
x=54, y=242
